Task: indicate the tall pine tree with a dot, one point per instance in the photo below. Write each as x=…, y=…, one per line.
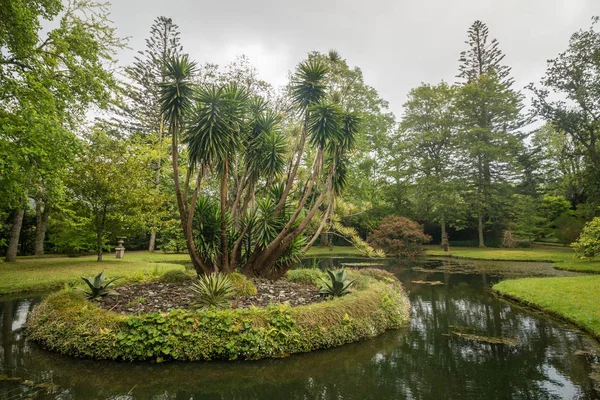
x=490, y=117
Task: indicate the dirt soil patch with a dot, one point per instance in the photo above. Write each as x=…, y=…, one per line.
x=163, y=297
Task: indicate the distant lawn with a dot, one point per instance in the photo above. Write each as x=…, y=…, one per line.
x=563, y=258
x=35, y=274
x=575, y=299
x=338, y=251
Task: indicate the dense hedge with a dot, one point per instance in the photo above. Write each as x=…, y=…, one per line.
x=65, y=322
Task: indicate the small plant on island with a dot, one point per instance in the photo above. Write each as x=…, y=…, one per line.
x=213, y=291
x=338, y=286
x=98, y=286
x=588, y=244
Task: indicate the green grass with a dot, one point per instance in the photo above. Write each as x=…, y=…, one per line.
x=575, y=299
x=338, y=251
x=563, y=258
x=31, y=275
x=36, y=274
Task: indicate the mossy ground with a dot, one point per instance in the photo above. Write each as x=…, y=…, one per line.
x=65, y=322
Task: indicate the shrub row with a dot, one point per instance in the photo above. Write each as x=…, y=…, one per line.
x=66, y=323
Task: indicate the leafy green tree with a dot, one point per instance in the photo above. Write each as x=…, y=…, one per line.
x=574, y=79
x=490, y=118
x=428, y=137
x=550, y=209
x=575, y=76
x=563, y=165
x=47, y=83
x=112, y=188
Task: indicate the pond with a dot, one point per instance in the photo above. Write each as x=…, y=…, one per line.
x=462, y=343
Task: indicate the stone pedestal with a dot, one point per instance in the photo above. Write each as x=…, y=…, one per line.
x=120, y=250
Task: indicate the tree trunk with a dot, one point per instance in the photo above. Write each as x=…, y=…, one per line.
x=15, y=232
x=443, y=225
x=152, y=240
x=199, y=265
x=41, y=224
x=161, y=128
x=480, y=229
x=324, y=241
x=224, y=238
x=99, y=246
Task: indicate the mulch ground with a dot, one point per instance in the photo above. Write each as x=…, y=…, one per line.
x=163, y=297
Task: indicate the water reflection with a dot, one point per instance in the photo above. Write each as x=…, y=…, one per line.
x=423, y=361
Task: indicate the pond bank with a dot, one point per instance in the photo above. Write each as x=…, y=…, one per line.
x=575, y=299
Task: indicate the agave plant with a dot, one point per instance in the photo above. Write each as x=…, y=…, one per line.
x=98, y=286
x=339, y=285
x=212, y=291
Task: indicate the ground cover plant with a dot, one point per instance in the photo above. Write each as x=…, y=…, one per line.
x=65, y=322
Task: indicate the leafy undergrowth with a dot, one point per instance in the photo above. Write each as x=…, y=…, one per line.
x=575, y=299
x=30, y=275
x=562, y=258
x=65, y=322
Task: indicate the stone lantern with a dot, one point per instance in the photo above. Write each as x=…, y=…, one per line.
x=120, y=250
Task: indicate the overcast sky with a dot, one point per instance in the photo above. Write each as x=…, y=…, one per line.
x=398, y=44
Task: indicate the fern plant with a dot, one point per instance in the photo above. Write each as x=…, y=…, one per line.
x=98, y=286
x=212, y=291
x=338, y=285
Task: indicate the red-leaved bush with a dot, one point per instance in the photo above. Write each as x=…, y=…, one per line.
x=399, y=236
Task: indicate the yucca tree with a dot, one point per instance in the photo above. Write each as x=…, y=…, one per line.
x=213, y=138
x=177, y=92
x=235, y=139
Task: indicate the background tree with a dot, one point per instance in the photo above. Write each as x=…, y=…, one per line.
x=574, y=78
x=490, y=117
x=427, y=138
x=139, y=111
x=47, y=85
x=112, y=188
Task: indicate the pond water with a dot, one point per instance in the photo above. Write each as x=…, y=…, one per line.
x=445, y=353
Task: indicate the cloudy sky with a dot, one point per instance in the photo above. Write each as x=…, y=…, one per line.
x=397, y=43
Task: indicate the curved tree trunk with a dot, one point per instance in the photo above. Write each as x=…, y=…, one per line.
x=15, y=232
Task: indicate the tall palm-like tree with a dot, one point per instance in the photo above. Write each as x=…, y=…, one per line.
x=213, y=139
x=176, y=95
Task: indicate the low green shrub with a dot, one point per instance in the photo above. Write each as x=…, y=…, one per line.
x=212, y=291
x=65, y=322
x=337, y=285
x=305, y=276
x=98, y=286
x=242, y=286
x=588, y=244
x=174, y=276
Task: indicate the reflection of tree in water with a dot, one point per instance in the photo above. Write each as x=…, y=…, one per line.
x=419, y=362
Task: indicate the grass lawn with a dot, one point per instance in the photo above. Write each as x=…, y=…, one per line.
x=35, y=274
x=31, y=274
x=575, y=299
x=338, y=251
x=563, y=258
